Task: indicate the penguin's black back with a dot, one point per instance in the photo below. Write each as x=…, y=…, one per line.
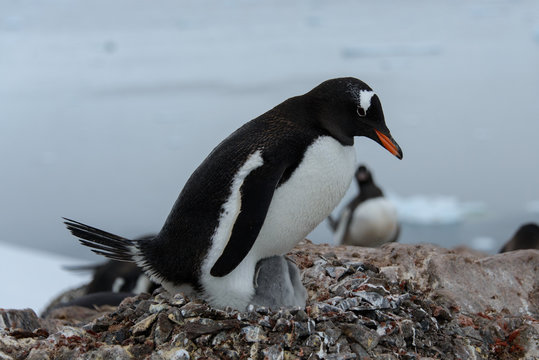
x=281, y=134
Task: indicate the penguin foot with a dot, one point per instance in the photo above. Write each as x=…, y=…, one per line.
x=278, y=284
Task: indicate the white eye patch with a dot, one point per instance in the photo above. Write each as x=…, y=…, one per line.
x=365, y=97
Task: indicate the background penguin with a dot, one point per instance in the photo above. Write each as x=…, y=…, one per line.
x=118, y=276
x=369, y=219
x=526, y=237
x=111, y=282
x=256, y=195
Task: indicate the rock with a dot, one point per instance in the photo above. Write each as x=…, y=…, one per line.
x=163, y=329
x=26, y=319
x=254, y=334
x=395, y=302
x=144, y=325
x=199, y=327
x=364, y=336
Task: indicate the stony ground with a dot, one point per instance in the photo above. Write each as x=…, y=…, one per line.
x=396, y=302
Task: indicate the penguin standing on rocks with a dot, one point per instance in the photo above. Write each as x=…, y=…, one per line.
x=369, y=219
x=256, y=195
x=526, y=237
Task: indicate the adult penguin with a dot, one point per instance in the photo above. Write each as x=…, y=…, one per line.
x=526, y=237
x=369, y=219
x=256, y=195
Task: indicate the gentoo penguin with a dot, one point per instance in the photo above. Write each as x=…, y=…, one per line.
x=369, y=219
x=526, y=237
x=111, y=282
x=116, y=276
x=256, y=195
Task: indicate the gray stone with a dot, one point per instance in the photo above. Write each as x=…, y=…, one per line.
x=163, y=329
x=19, y=319
x=253, y=334
x=144, y=325
x=274, y=352
x=364, y=336
x=35, y=354
x=194, y=309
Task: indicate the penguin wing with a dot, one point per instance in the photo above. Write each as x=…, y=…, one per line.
x=256, y=194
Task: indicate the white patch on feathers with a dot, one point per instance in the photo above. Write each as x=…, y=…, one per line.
x=297, y=207
x=229, y=290
x=117, y=285
x=365, y=99
x=143, y=284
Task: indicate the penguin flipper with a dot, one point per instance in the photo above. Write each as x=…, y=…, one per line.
x=102, y=242
x=256, y=194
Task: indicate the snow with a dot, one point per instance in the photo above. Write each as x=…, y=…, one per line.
x=434, y=210
x=30, y=278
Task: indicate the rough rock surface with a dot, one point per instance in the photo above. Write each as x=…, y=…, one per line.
x=394, y=302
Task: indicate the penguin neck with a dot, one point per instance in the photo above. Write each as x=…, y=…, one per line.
x=369, y=190
x=308, y=113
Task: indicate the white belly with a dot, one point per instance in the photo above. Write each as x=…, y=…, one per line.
x=307, y=198
x=373, y=223
x=297, y=207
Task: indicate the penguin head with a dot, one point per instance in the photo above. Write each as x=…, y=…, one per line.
x=363, y=175
x=347, y=107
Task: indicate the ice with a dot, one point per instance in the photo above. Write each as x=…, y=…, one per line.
x=434, y=210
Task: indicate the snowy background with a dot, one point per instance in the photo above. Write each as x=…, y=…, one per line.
x=106, y=107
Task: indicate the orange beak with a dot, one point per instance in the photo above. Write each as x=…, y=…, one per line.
x=389, y=144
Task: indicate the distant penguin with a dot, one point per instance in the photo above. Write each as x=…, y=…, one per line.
x=91, y=301
x=526, y=237
x=256, y=195
x=117, y=276
x=111, y=282
x=369, y=219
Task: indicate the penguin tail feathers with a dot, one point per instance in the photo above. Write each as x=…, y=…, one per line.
x=102, y=242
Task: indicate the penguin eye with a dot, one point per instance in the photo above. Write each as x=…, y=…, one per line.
x=361, y=112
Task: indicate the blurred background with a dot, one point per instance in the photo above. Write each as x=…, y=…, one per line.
x=106, y=107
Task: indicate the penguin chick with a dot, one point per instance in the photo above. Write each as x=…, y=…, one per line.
x=369, y=219
x=278, y=284
x=256, y=195
x=526, y=237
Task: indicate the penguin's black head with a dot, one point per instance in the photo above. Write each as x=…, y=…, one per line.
x=363, y=175
x=347, y=107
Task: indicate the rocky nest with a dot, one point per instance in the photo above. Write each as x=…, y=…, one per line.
x=394, y=302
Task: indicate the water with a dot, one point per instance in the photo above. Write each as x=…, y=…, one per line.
x=103, y=118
